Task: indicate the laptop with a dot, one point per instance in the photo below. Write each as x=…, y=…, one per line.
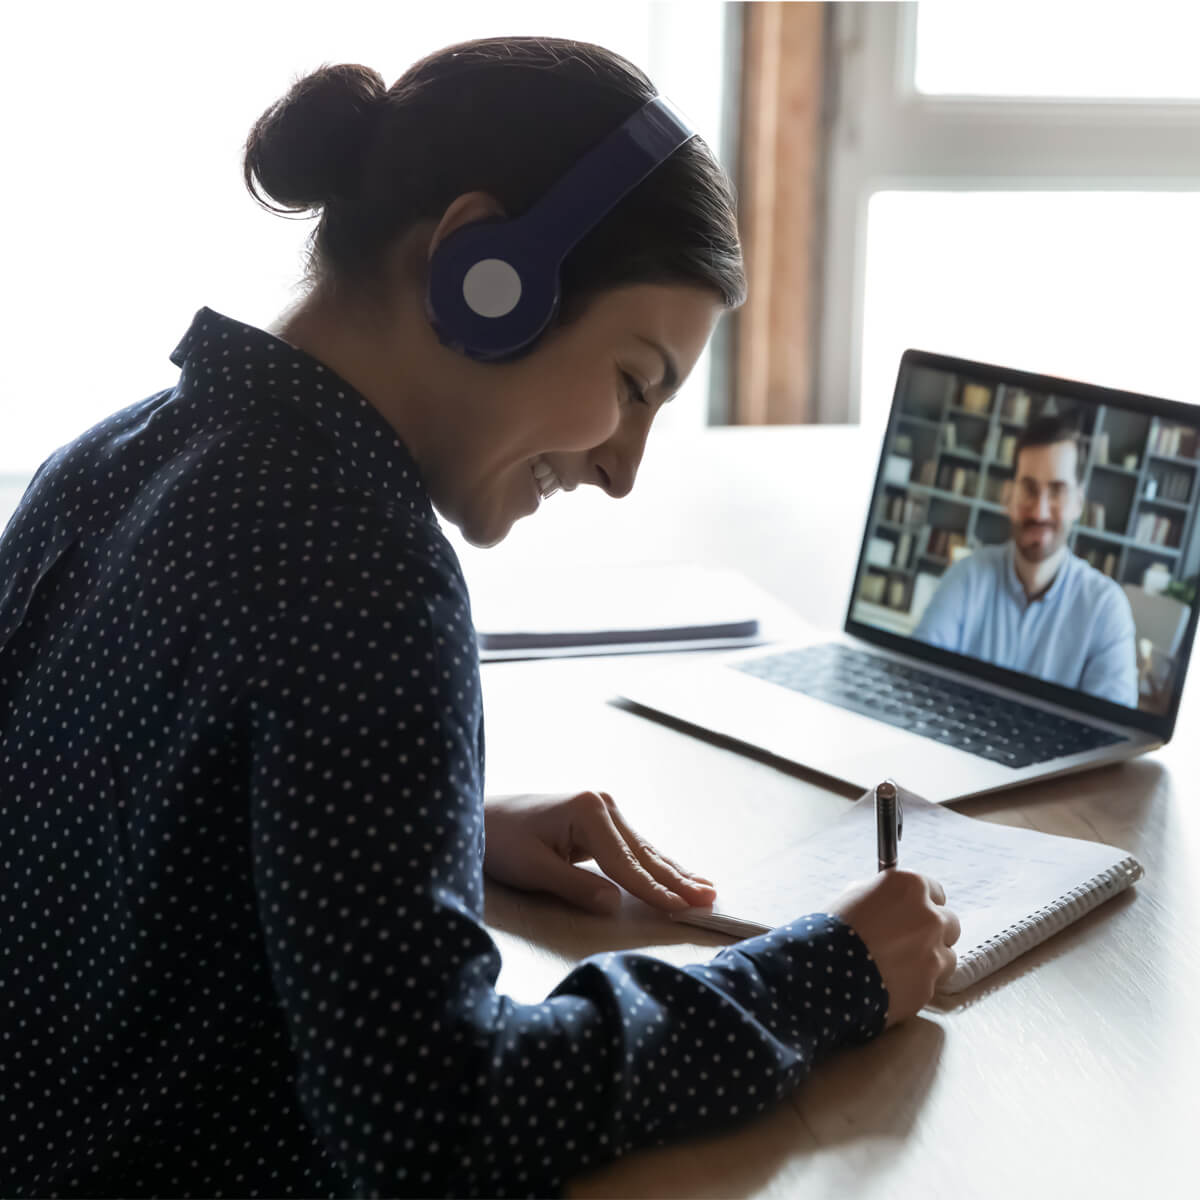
x=1023, y=604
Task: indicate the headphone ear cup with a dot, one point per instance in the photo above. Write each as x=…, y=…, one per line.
x=490, y=292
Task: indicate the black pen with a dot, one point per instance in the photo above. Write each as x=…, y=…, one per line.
x=889, y=824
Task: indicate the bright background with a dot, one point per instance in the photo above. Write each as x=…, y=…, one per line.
x=1099, y=286
x=125, y=212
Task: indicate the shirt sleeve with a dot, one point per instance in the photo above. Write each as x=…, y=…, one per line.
x=415, y=1074
x=941, y=623
x=1111, y=668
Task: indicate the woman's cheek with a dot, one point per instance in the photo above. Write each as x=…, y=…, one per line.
x=590, y=419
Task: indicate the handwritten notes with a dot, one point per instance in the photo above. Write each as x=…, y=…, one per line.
x=1001, y=881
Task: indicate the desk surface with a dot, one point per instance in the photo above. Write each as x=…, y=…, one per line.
x=1075, y=1065
x=1072, y=1071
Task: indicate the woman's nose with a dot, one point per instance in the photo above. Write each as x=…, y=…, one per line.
x=615, y=465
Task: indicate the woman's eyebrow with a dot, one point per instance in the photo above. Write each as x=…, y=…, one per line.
x=670, y=373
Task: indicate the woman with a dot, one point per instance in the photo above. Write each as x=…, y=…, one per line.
x=243, y=743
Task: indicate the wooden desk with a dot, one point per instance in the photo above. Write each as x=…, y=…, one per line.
x=1072, y=1072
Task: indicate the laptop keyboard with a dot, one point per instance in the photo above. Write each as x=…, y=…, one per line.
x=956, y=714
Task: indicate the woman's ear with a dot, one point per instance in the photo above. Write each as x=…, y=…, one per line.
x=466, y=209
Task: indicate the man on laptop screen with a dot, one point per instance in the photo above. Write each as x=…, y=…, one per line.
x=1029, y=603
x=1023, y=604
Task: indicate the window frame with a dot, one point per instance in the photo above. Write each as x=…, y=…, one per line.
x=885, y=135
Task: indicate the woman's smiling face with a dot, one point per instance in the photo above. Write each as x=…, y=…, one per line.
x=579, y=407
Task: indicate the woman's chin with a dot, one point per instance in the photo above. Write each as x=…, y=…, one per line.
x=483, y=533
x=489, y=520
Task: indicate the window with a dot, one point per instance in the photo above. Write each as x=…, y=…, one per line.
x=1028, y=48
x=1002, y=187
x=125, y=127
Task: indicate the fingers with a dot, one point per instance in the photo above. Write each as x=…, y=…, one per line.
x=618, y=860
x=952, y=928
x=949, y=960
x=572, y=884
x=694, y=889
x=627, y=861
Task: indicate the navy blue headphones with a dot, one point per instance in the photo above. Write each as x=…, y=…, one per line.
x=493, y=286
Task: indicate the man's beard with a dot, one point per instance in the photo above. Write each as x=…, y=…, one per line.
x=1039, y=551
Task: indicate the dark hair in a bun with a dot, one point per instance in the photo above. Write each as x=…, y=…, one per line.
x=506, y=116
x=307, y=148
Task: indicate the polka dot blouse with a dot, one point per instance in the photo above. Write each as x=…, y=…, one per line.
x=241, y=840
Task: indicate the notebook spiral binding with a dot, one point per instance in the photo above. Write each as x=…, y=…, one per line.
x=1000, y=949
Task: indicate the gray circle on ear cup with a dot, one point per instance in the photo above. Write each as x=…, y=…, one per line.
x=491, y=288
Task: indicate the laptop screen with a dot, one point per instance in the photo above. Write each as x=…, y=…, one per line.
x=1039, y=525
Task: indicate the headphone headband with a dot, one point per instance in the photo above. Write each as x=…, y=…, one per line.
x=597, y=183
x=493, y=287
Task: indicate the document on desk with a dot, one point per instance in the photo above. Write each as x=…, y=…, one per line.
x=564, y=610
x=1011, y=888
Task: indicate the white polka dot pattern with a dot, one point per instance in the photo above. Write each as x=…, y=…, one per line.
x=241, y=840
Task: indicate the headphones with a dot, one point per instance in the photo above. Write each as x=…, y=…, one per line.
x=493, y=285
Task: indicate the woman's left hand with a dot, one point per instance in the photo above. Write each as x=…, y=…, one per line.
x=532, y=842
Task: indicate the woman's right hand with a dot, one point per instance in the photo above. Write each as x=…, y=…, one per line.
x=903, y=920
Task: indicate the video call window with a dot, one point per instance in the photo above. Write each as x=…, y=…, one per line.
x=987, y=489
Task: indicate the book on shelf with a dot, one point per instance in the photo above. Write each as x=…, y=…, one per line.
x=943, y=543
x=1155, y=529
x=1110, y=565
x=1169, y=483
x=901, y=509
x=1174, y=441
x=872, y=587
x=1016, y=406
x=976, y=398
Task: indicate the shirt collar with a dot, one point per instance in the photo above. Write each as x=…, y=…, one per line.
x=367, y=448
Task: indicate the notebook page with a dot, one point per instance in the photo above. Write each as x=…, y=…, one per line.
x=994, y=875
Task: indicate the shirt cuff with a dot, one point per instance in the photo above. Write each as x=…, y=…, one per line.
x=828, y=976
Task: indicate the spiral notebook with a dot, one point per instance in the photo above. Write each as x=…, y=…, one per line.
x=1011, y=888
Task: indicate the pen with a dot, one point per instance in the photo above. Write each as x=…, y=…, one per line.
x=889, y=823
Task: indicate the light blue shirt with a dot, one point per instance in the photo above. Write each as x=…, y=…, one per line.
x=1078, y=634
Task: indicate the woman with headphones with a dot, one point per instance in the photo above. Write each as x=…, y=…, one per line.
x=242, y=746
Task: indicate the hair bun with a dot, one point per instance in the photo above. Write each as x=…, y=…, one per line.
x=306, y=148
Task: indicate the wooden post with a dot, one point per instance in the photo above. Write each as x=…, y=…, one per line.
x=780, y=202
